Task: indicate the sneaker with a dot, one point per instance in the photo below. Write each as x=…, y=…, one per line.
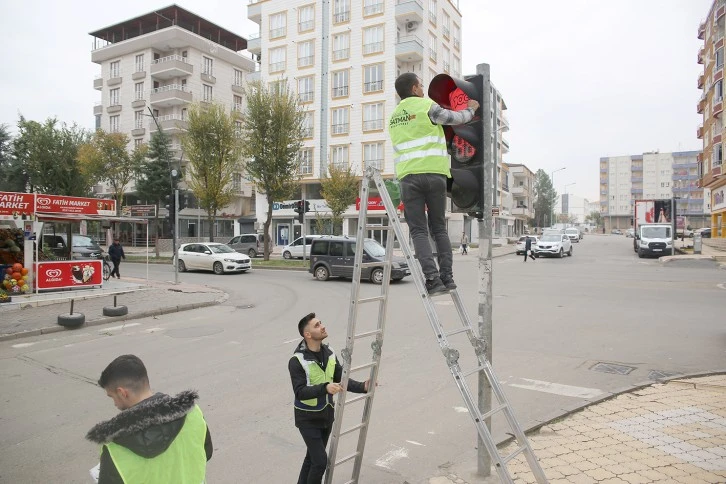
x=435, y=286
x=449, y=282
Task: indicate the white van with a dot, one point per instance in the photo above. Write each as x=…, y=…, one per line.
x=295, y=249
x=573, y=233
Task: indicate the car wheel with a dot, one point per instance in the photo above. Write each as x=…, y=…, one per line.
x=182, y=266
x=641, y=254
x=377, y=276
x=252, y=253
x=322, y=273
x=287, y=255
x=561, y=253
x=569, y=252
x=218, y=269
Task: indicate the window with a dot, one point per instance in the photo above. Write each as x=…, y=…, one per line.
x=305, y=157
x=373, y=39
x=339, y=156
x=138, y=119
x=237, y=182
x=139, y=63
x=373, y=155
x=138, y=91
x=305, y=89
x=208, y=66
x=306, y=18
x=718, y=90
x=278, y=59
x=446, y=25
x=372, y=7
x=115, y=69
x=341, y=11
x=277, y=87
x=432, y=11
x=447, y=60
x=456, y=67
x=717, y=158
x=306, y=53
x=719, y=58
x=278, y=25
x=457, y=37
x=339, y=120
x=138, y=142
x=114, y=97
x=238, y=129
x=307, y=124
x=372, y=116
x=208, y=94
x=238, y=76
x=237, y=106
x=433, y=45
x=373, y=78
x=113, y=124
x=340, y=83
x=341, y=46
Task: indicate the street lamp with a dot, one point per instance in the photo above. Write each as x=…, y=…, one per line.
x=552, y=179
x=567, y=214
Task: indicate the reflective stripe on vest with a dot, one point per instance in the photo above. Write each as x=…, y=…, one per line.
x=419, y=145
x=183, y=462
x=315, y=376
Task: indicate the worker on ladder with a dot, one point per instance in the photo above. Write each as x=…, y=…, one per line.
x=422, y=166
x=315, y=373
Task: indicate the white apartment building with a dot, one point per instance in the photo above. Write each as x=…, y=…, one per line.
x=653, y=175
x=576, y=208
x=521, y=189
x=343, y=61
x=161, y=62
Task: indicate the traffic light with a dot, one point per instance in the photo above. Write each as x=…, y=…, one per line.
x=307, y=206
x=171, y=207
x=300, y=210
x=465, y=142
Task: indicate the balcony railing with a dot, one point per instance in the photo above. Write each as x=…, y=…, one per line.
x=372, y=124
x=305, y=61
x=169, y=87
x=306, y=97
x=341, y=54
x=373, y=9
x=373, y=86
x=341, y=128
x=433, y=55
x=457, y=44
x=446, y=32
x=277, y=66
x=340, y=91
x=372, y=47
x=237, y=107
x=307, y=132
x=278, y=32
x=305, y=26
x=374, y=163
x=636, y=167
x=341, y=17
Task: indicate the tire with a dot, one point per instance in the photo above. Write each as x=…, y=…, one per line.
x=115, y=310
x=71, y=320
x=377, y=276
x=252, y=253
x=182, y=266
x=287, y=255
x=218, y=268
x=641, y=254
x=322, y=273
x=569, y=252
x=106, y=272
x=561, y=254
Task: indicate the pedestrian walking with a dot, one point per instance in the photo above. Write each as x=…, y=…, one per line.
x=528, y=252
x=422, y=166
x=316, y=373
x=464, y=243
x=156, y=437
x=116, y=253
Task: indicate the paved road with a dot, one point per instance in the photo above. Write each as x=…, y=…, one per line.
x=553, y=321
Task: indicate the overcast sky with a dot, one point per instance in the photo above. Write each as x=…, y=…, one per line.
x=581, y=79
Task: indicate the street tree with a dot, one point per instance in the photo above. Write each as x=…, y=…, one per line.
x=13, y=177
x=213, y=147
x=105, y=158
x=272, y=128
x=544, y=198
x=48, y=153
x=594, y=218
x=340, y=190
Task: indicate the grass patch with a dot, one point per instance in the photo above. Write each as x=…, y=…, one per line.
x=256, y=262
x=152, y=259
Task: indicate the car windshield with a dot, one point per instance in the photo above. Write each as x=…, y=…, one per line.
x=221, y=249
x=572, y=231
x=656, y=232
x=373, y=248
x=551, y=238
x=83, y=241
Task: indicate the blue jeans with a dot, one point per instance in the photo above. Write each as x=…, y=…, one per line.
x=419, y=191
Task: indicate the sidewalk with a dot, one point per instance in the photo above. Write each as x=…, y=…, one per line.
x=665, y=432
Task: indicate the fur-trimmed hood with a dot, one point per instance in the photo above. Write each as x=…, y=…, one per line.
x=149, y=427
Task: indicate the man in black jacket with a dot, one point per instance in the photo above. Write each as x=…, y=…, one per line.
x=316, y=373
x=156, y=437
x=116, y=252
x=528, y=251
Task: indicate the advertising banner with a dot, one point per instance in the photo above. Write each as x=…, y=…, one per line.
x=69, y=274
x=16, y=204
x=78, y=205
x=139, y=211
x=375, y=203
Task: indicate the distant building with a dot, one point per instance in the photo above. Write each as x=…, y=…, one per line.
x=522, y=192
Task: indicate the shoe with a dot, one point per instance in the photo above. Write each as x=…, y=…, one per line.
x=435, y=286
x=449, y=283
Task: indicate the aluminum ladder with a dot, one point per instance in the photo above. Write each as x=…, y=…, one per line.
x=451, y=355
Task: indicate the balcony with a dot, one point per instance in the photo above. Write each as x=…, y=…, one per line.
x=113, y=108
x=409, y=11
x=139, y=74
x=254, y=43
x=700, y=81
x=170, y=67
x=341, y=54
x=139, y=129
x=208, y=76
x=701, y=53
x=251, y=77
x=701, y=105
x=519, y=190
x=373, y=9
x=170, y=124
x=603, y=192
x=171, y=95
x=720, y=12
x=522, y=211
x=699, y=132
x=636, y=190
x=254, y=12
x=97, y=109
x=138, y=103
x=718, y=73
x=505, y=145
x=98, y=83
x=176, y=151
x=701, y=28
x=636, y=179
x=718, y=108
x=341, y=17
x=114, y=78
x=410, y=49
x=277, y=66
x=278, y=33
x=603, y=170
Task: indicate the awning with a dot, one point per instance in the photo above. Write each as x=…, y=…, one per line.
x=78, y=217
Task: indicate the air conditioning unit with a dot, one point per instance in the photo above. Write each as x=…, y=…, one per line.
x=411, y=26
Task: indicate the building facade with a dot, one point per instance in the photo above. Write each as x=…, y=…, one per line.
x=522, y=190
x=624, y=179
x=152, y=68
x=710, y=163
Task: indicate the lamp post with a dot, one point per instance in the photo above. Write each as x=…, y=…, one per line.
x=567, y=214
x=552, y=179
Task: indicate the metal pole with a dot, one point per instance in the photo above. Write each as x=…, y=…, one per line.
x=174, y=239
x=484, y=462
x=303, y=224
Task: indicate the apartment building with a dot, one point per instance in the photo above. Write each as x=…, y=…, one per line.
x=653, y=175
x=159, y=63
x=521, y=189
x=342, y=61
x=710, y=162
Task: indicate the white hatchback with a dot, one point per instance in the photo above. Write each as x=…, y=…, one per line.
x=295, y=249
x=212, y=256
x=522, y=243
x=554, y=245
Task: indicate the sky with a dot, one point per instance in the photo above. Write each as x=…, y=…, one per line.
x=581, y=79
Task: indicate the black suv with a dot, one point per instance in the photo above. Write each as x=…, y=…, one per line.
x=334, y=256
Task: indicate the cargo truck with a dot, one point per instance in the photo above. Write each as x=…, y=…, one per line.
x=649, y=212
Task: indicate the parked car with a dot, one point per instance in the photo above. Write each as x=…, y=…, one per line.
x=705, y=232
x=573, y=233
x=521, y=243
x=616, y=232
x=84, y=247
x=250, y=244
x=212, y=256
x=554, y=245
x=630, y=233
x=295, y=249
x=334, y=256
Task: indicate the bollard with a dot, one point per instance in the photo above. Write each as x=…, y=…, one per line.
x=115, y=310
x=71, y=320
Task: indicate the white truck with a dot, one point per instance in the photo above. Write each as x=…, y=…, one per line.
x=649, y=212
x=654, y=239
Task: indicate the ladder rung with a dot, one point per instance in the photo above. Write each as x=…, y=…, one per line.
x=493, y=411
x=346, y=458
x=514, y=454
x=457, y=331
x=352, y=429
x=471, y=372
x=363, y=367
x=373, y=264
x=358, y=398
x=367, y=333
x=379, y=227
x=371, y=299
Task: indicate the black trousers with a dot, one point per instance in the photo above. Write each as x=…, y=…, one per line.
x=528, y=253
x=316, y=460
x=116, y=263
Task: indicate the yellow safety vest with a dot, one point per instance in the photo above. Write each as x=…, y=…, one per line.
x=315, y=376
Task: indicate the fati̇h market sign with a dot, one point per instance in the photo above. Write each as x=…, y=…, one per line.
x=16, y=204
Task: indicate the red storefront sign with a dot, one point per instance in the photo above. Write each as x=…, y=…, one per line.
x=79, y=205
x=69, y=274
x=375, y=203
x=17, y=203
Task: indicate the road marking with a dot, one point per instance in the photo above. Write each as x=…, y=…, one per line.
x=557, y=388
x=415, y=443
x=290, y=341
x=23, y=345
x=152, y=330
x=114, y=328
x=722, y=285
x=392, y=456
x=461, y=410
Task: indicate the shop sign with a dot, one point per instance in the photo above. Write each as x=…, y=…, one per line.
x=77, y=205
x=69, y=274
x=375, y=203
x=16, y=204
x=718, y=202
x=139, y=211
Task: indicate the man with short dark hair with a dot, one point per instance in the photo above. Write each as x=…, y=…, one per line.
x=422, y=166
x=116, y=253
x=316, y=373
x=156, y=437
